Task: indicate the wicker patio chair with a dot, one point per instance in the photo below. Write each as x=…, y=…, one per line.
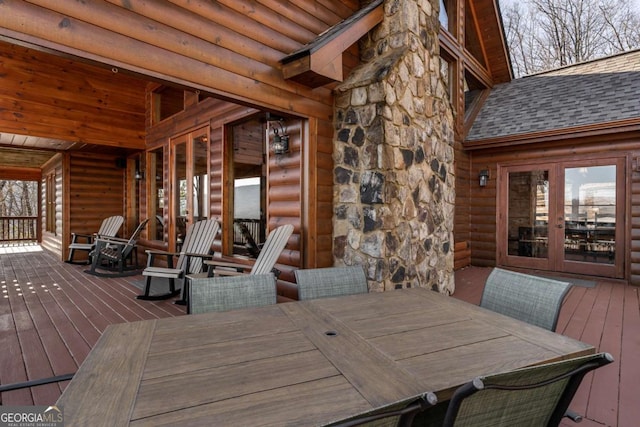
x=532, y=299
x=534, y=396
x=331, y=282
x=196, y=248
x=111, y=255
x=231, y=292
x=86, y=242
x=400, y=414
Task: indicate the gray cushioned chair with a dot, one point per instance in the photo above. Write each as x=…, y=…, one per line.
x=532, y=299
x=231, y=292
x=331, y=282
x=534, y=396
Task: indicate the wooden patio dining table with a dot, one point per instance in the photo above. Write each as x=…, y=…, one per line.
x=299, y=363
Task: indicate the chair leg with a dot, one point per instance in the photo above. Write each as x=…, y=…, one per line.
x=146, y=296
x=185, y=293
x=573, y=416
x=70, y=259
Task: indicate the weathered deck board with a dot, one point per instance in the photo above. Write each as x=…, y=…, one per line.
x=56, y=317
x=606, y=316
x=48, y=331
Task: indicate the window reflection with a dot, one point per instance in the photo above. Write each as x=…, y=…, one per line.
x=528, y=214
x=590, y=213
x=444, y=16
x=155, y=173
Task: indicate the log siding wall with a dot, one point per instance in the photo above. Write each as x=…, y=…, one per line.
x=482, y=201
x=94, y=191
x=52, y=241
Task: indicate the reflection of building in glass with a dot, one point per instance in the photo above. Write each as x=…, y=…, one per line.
x=596, y=202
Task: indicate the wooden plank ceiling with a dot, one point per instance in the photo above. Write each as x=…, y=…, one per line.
x=220, y=48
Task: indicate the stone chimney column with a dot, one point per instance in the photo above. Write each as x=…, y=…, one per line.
x=393, y=152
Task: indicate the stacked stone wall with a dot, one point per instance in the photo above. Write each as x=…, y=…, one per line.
x=394, y=167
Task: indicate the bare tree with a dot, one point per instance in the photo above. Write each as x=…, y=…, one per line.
x=546, y=34
x=18, y=199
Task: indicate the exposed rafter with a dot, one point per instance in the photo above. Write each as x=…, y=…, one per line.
x=320, y=61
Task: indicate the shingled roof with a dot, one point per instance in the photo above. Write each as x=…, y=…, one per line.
x=590, y=93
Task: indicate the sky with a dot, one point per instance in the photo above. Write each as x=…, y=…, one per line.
x=635, y=3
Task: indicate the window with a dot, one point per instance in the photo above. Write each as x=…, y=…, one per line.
x=472, y=90
x=156, y=199
x=189, y=163
x=447, y=15
x=247, y=207
x=50, y=196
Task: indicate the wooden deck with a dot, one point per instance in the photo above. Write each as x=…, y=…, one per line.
x=52, y=313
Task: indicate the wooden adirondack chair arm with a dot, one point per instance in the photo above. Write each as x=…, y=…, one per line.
x=228, y=264
x=88, y=237
x=203, y=256
x=227, y=268
x=114, y=240
x=151, y=255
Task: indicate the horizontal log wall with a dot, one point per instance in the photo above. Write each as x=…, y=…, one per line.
x=52, y=241
x=284, y=202
x=461, y=228
x=482, y=200
x=229, y=48
x=94, y=192
x=49, y=96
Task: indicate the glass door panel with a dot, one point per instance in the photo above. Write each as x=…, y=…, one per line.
x=180, y=191
x=156, y=195
x=527, y=216
x=565, y=217
x=590, y=214
x=529, y=213
x=593, y=213
x=190, y=181
x=200, y=179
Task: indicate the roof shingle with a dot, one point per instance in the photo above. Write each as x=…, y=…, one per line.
x=589, y=93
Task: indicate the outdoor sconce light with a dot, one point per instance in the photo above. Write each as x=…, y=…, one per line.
x=280, y=143
x=484, y=177
x=139, y=175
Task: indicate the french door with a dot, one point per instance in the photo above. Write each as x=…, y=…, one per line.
x=563, y=216
x=189, y=182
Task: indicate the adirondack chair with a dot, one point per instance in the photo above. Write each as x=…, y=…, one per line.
x=86, y=242
x=112, y=253
x=196, y=247
x=273, y=247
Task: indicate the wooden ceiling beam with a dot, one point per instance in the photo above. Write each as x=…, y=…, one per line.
x=320, y=62
x=53, y=30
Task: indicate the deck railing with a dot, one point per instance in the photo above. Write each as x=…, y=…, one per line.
x=255, y=227
x=18, y=229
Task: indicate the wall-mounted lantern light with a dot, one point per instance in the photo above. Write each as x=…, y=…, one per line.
x=484, y=177
x=280, y=142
